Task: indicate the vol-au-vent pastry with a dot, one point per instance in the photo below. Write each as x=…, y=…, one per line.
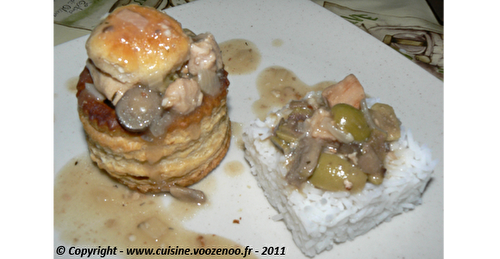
x=152, y=101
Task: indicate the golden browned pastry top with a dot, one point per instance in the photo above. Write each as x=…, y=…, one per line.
x=137, y=44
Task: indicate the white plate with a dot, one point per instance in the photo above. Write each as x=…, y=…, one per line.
x=317, y=46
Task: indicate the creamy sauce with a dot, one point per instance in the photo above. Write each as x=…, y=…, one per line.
x=277, y=86
x=240, y=56
x=90, y=209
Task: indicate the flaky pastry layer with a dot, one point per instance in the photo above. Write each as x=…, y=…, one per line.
x=194, y=144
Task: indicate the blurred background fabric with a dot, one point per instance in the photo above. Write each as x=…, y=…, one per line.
x=413, y=28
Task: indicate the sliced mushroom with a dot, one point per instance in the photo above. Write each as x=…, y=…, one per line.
x=209, y=82
x=187, y=194
x=372, y=155
x=306, y=158
x=300, y=110
x=369, y=162
x=138, y=107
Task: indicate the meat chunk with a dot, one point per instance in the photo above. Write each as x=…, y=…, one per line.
x=205, y=54
x=111, y=88
x=318, y=124
x=183, y=96
x=321, y=126
x=348, y=91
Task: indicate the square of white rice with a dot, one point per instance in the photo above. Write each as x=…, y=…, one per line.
x=318, y=218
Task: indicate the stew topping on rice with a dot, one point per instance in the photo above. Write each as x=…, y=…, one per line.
x=335, y=141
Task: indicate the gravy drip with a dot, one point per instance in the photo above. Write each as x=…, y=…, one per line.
x=277, y=86
x=240, y=56
x=234, y=168
x=92, y=209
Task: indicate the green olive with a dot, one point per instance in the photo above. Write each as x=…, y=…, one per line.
x=351, y=120
x=332, y=172
x=375, y=179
